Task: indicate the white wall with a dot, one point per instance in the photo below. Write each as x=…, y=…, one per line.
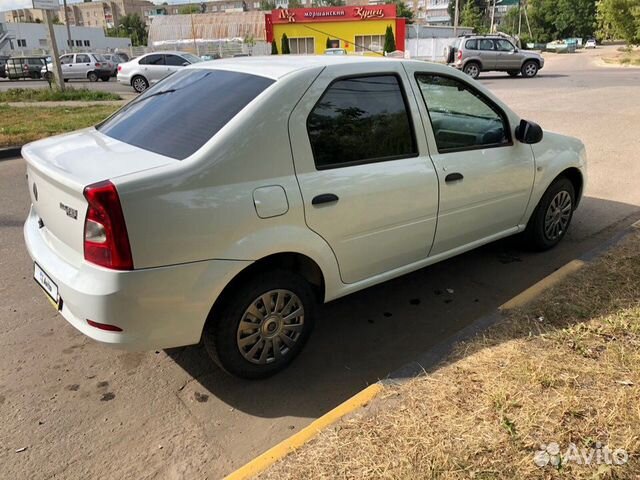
x=35, y=36
x=427, y=48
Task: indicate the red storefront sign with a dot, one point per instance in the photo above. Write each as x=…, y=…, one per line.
x=333, y=14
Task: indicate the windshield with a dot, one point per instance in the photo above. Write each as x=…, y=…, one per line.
x=99, y=58
x=191, y=58
x=181, y=113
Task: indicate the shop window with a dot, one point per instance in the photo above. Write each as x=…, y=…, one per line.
x=367, y=43
x=302, y=46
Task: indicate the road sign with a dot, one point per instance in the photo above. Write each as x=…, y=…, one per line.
x=46, y=4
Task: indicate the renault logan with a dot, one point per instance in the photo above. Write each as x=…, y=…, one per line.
x=226, y=201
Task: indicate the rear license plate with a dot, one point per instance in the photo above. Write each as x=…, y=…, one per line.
x=48, y=285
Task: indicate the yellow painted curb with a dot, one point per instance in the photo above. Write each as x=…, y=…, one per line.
x=534, y=290
x=268, y=458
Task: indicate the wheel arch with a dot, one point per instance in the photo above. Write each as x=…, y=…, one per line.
x=574, y=175
x=289, y=261
x=475, y=60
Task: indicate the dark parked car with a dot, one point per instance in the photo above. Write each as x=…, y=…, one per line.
x=3, y=63
x=25, y=67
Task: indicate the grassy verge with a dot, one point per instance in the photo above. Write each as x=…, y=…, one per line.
x=53, y=94
x=563, y=370
x=624, y=56
x=19, y=125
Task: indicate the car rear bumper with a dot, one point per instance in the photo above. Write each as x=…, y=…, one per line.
x=155, y=308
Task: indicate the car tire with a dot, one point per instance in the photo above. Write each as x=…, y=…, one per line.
x=139, y=83
x=530, y=69
x=48, y=77
x=472, y=69
x=552, y=217
x=92, y=76
x=245, y=336
x=105, y=78
x=513, y=73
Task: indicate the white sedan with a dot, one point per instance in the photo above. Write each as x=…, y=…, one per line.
x=225, y=202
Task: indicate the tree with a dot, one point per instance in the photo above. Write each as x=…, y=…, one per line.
x=619, y=19
x=555, y=19
x=274, y=47
x=402, y=9
x=481, y=5
x=285, y=44
x=328, y=3
x=295, y=4
x=188, y=9
x=131, y=26
x=328, y=45
x=389, y=40
x=267, y=5
x=471, y=16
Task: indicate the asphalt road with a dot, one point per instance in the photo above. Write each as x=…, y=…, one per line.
x=86, y=411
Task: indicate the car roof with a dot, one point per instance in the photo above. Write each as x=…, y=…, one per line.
x=275, y=68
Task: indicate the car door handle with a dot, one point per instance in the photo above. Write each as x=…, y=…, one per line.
x=453, y=177
x=324, y=198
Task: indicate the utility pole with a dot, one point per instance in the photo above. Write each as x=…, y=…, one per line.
x=493, y=15
x=519, y=18
x=456, y=18
x=51, y=37
x=66, y=21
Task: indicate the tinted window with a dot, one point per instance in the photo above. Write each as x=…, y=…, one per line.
x=154, y=59
x=177, y=116
x=486, y=44
x=174, y=60
x=460, y=116
x=360, y=120
x=471, y=45
x=504, y=46
x=82, y=59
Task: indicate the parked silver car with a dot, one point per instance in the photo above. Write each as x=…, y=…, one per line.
x=116, y=60
x=152, y=67
x=82, y=66
x=483, y=53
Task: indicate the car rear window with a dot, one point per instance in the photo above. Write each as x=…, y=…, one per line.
x=181, y=113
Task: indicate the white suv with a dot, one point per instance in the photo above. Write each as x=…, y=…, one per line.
x=225, y=202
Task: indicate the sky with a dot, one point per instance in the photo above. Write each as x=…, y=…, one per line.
x=13, y=4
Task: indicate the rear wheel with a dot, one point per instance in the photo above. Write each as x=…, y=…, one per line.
x=105, y=78
x=139, y=83
x=92, y=76
x=513, y=73
x=530, y=69
x=263, y=326
x=551, y=219
x=472, y=69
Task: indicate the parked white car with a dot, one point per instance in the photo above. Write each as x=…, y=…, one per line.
x=228, y=200
x=82, y=66
x=591, y=43
x=152, y=67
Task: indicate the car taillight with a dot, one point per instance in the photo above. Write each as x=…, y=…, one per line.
x=106, y=242
x=459, y=54
x=119, y=68
x=97, y=65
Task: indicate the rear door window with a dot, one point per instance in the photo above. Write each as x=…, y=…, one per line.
x=180, y=114
x=154, y=59
x=486, y=44
x=174, y=60
x=81, y=58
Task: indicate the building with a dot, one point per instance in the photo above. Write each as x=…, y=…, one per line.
x=104, y=14
x=502, y=7
x=24, y=15
x=31, y=38
x=357, y=29
x=432, y=12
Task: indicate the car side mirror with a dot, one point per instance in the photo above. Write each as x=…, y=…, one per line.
x=185, y=64
x=529, y=132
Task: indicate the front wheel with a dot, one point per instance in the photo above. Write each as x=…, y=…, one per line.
x=472, y=69
x=262, y=326
x=551, y=219
x=529, y=69
x=105, y=78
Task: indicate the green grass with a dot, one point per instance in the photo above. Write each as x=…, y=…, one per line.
x=55, y=95
x=20, y=125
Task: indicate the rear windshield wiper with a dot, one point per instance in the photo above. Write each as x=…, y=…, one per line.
x=162, y=92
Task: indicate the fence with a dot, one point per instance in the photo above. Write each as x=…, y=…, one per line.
x=428, y=48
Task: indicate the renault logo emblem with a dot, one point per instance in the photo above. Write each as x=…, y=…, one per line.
x=35, y=191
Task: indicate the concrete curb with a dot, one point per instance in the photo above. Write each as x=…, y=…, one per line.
x=9, y=152
x=422, y=364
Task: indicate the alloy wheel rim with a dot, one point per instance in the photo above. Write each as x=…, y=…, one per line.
x=557, y=216
x=139, y=84
x=531, y=69
x=472, y=71
x=270, y=327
